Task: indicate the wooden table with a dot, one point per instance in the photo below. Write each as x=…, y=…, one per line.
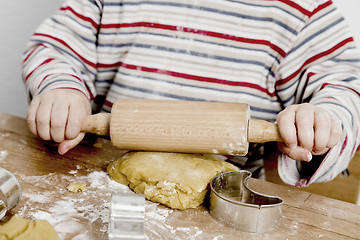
x=44, y=176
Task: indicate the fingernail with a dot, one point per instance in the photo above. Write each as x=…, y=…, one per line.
x=318, y=151
x=62, y=151
x=292, y=146
x=308, y=156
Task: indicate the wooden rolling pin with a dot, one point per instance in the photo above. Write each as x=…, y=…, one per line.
x=181, y=126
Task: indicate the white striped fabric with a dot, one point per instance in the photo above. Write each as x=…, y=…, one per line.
x=267, y=53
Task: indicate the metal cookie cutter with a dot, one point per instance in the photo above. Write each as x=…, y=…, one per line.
x=127, y=216
x=234, y=204
x=10, y=192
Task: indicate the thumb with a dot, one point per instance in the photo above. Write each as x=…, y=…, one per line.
x=296, y=153
x=68, y=144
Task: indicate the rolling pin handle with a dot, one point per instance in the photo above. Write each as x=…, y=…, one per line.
x=98, y=124
x=260, y=131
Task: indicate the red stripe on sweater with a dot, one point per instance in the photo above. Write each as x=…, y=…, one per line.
x=41, y=64
x=197, y=31
x=321, y=7
x=67, y=45
x=52, y=74
x=313, y=59
x=108, y=103
x=295, y=6
x=31, y=53
x=76, y=90
x=44, y=80
x=87, y=87
x=189, y=76
x=82, y=17
x=337, y=85
x=72, y=75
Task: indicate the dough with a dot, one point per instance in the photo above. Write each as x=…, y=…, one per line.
x=76, y=187
x=18, y=228
x=177, y=180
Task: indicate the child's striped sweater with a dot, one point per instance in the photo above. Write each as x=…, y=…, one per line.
x=267, y=53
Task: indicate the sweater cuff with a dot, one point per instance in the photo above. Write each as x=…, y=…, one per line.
x=323, y=169
x=64, y=82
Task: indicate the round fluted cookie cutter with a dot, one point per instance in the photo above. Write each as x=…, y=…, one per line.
x=10, y=192
x=235, y=205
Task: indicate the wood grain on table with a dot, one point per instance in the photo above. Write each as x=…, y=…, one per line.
x=44, y=176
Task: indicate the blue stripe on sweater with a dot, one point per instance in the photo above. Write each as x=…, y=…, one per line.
x=199, y=87
x=217, y=11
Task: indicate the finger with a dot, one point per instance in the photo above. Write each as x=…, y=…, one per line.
x=297, y=153
x=325, y=150
x=66, y=145
x=75, y=120
x=322, y=128
x=305, y=128
x=31, y=116
x=287, y=128
x=43, y=120
x=59, y=115
x=335, y=133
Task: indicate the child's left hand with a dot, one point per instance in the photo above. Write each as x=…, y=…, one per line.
x=307, y=130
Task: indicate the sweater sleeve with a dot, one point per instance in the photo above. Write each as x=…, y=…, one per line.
x=323, y=68
x=62, y=51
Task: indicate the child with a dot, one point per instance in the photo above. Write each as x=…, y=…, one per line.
x=293, y=62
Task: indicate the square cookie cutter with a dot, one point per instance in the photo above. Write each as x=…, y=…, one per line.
x=127, y=216
x=10, y=192
x=235, y=205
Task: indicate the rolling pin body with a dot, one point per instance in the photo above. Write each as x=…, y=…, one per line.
x=182, y=126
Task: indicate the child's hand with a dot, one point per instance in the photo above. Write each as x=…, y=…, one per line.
x=58, y=115
x=306, y=130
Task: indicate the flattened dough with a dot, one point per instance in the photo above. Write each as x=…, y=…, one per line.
x=177, y=180
x=18, y=228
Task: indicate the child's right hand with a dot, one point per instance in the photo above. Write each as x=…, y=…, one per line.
x=58, y=115
x=307, y=130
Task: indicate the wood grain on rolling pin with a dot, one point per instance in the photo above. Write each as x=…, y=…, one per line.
x=182, y=126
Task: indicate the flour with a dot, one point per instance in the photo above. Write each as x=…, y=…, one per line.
x=152, y=212
x=326, y=225
x=156, y=215
x=231, y=148
x=161, y=218
x=198, y=232
x=214, y=151
x=3, y=155
x=293, y=228
x=73, y=172
x=85, y=215
x=82, y=236
x=218, y=238
x=67, y=213
x=4, y=134
x=36, y=197
x=44, y=215
x=183, y=229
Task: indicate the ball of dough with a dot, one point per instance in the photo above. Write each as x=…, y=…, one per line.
x=177, y=180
